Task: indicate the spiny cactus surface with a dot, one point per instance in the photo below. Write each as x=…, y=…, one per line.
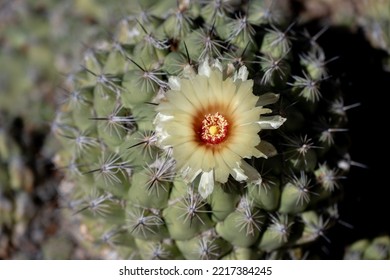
x=203, y=130
x=377, y=248
x=375, y=20
x=38, y=42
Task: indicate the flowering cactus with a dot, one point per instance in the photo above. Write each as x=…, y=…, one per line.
x=203, y=130
x=212, y=124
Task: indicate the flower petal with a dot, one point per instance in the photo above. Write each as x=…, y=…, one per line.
x=180, y=103
x=248, y=117
x=204, y=68
x=267, y=98
x=253, y=175
x=267, y=149
x=174, y=83
x=271, y=122
x=241, y=74
x=217, y=92
x=243, y=98
x=188, y=90
x=208, y=159
x=221, y=169
x=189, y=174
x=239, y=174
x=206, y=184
x=243, y=150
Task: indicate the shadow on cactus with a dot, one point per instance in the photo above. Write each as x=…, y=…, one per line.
x=203, y=130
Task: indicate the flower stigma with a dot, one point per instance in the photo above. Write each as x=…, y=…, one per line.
x=214, y=128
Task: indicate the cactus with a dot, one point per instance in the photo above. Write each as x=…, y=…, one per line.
x=377, y=248
x=203, y=130
x=37, y=45
x=370, y=16
x=374, y=17
x=27, y=189
x=37, y=49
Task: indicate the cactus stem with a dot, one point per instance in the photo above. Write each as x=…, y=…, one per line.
x=162, y=170
x=250, y=220
x=158, y=252
x=109, y=168
x=192, y=205
x=140, y=222
x=303, y=185
x=207, y=250
x=282, y=226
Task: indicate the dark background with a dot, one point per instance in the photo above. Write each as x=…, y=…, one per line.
x=365, y=205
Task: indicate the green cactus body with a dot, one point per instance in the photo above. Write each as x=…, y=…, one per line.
x=365, y=249
x=201, y=131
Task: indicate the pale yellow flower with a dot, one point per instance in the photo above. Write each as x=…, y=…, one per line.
x=212, y=123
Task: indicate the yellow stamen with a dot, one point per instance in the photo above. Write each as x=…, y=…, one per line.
x=214, y=128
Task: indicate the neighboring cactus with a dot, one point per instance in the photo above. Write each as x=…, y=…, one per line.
x=365, y=249
x=27, y=190
x=38, y=44
x=371, y=16
x=161, y=140
x=374, y=17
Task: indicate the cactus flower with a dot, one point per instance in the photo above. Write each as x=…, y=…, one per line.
x=212, y=124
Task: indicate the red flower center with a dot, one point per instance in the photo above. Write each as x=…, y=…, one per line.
x=214, y=128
